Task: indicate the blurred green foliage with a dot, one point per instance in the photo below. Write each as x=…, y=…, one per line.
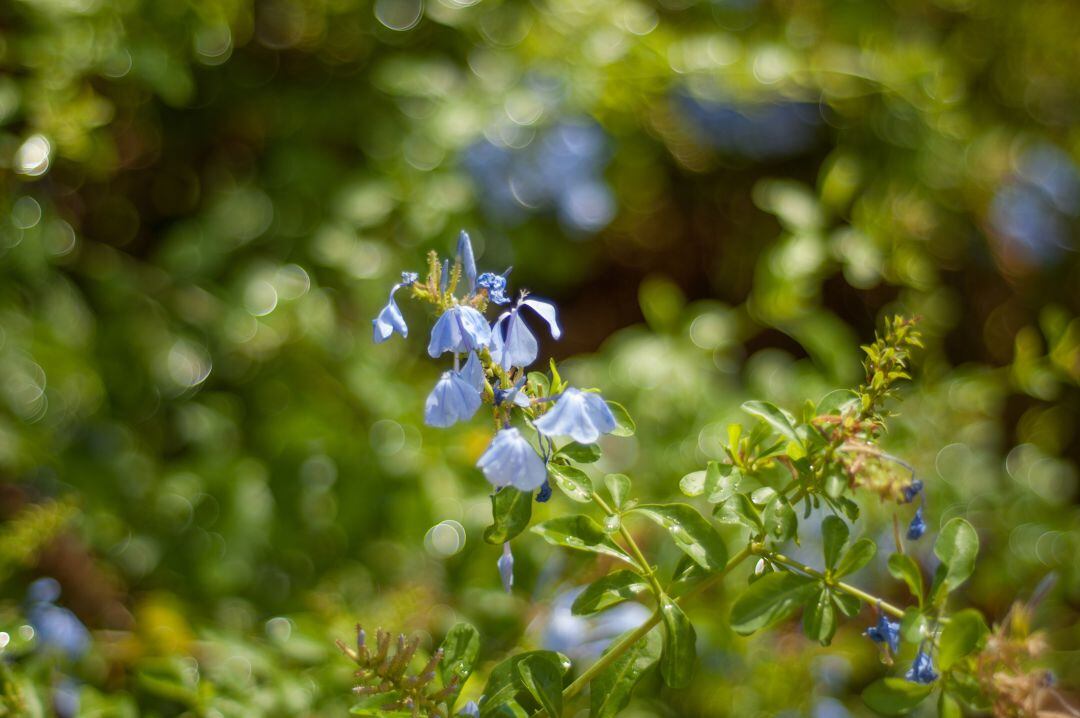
x=204, y=204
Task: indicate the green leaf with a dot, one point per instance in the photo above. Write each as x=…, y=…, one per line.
x=739, y=509
x=693, y=484
x=679, y=654
x=460, y=649
x=618, y=485
x=511, y=511
x=861, y=553
x=962, y=635
x=770, y=599
x=542, y=677
x=624, y=425
x=780, y=520
x=691, y=532
x=575, y=483
x=504, y=682
x=903, y=567
x=540, y=383
x=913, y=625
x=581, y=453
x=957, y=546
x=611, y=688
x=819, y=617
x=612, y=589
x=848, y=605
x=834, y=537
x=835, y=483
x=581, y=533
x=774, y=417
x=895, y=696
x=721, y=480
x=948, y=707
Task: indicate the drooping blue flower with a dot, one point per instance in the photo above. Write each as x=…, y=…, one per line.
x=917, y=527
x=460, y=329
x=506, y=568
x=886, y=631
x=453, y=399
x=544, y=494
x=912, y=490
x=512, y=342
x=468, y=261
x=390, y=319
x=473, y=372
x=470, y=710
x=511, y=461
x=56, y=628
x=495, y=284
x=922, y=669
x=581, y=415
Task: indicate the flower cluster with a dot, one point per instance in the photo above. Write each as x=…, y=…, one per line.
x=489, y=363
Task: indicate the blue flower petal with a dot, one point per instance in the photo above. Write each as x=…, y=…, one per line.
x=511, y=461
x=460, y=329
x=547, y=312
x=917, y=527
x=581, y=415
x=922, y=669
x=473, y=372
x=452, y=400
x=885, y=631
x=389, y=320
x=512, y=342
x=506, y=568
x=470, y=710
x=468, y=261
x=495, y=284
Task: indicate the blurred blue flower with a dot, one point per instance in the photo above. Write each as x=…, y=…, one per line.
x=917, y=527
x=57, y=629
x=470, y=710
x=581, y=415
x=510, y=460
x=389, y=320
x=506, y=568
x=886, y=631
x=495, y=284
x=468, y=261
x=460, y=329
x=512, y=342
x=585, y=638
x=912, y=490
x=453, y=399
x=761, y=130
x=922, y=669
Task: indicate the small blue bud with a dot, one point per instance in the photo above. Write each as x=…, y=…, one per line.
x=544, y=493
x=922, y=669
x=409, y=278
x=389, y=320
x=468, y=261
x=917, y=527
x=912, y=490
x=886, y=631
x=506, y=568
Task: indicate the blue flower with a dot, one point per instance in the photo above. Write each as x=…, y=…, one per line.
x=506, y=567
x=513, y=395
x=390, y=319
x=453, y=399
x=468, y=261
x=912, y=490
x=470, y=710
x=885, y=631
x=460, y=329
x=922, y=669
x=57, y=629
x=473, y=372
x=512, y=342
x=917, y=527
x=511, y=461
x=581, y=415
x=544, y=494
x=408, y=278
x=495, y=284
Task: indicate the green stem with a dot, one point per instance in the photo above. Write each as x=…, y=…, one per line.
x=830, y=581
x=646, y=569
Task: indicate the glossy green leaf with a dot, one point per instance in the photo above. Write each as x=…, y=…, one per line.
x=618, y=486
x=948, y=707
x=770, y=599
x=511, y=511
x=693, y=484
x=957, y=546
x=542, y=677
x=962, y=635
x=835, y=483
x=780, y=520
x=504, y=682
x=861, y=553
x=848, y=605
x=721, y=481
x=895, y=696
x=581, y=453
x=690, y=531
x=739, y=510
x=624, y=425
x=610, y=690
x=679, y=652
x=819, y=617
x=460, y=649
x=573, y=482
x=774, y=417
x=610, y=590
x=913, y=625
x=581, y=533
x=903, y=567
x=834, y=537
